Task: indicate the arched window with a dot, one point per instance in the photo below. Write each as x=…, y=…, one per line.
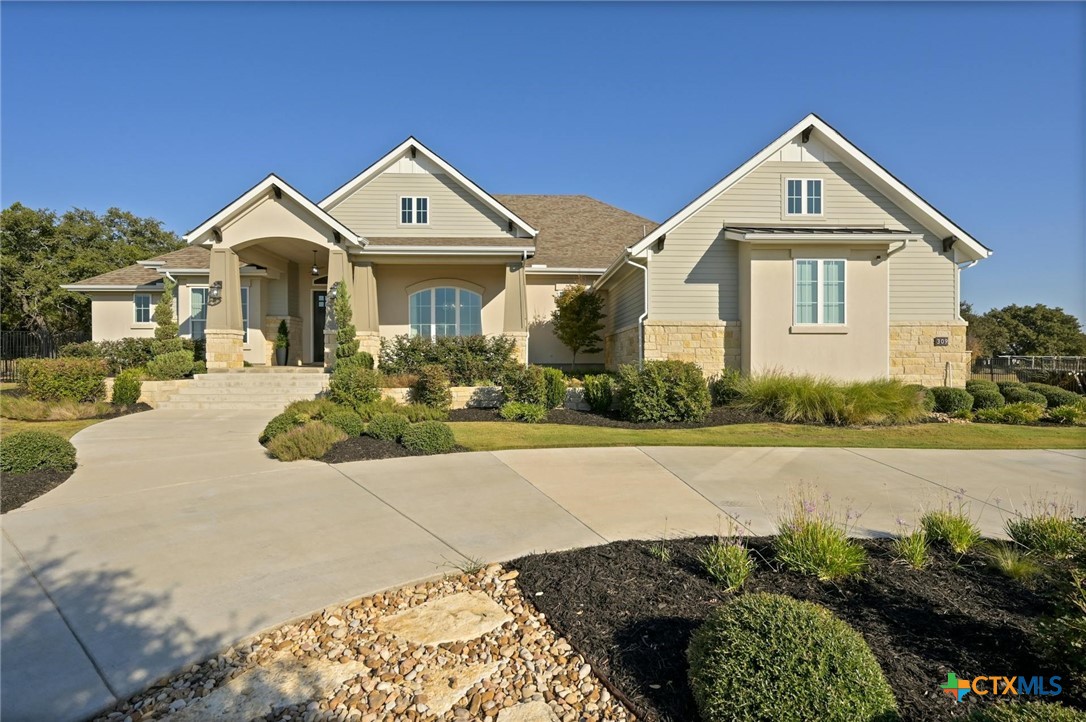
x=446, y=311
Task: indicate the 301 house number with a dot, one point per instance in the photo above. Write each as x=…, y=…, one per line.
x=942, y=340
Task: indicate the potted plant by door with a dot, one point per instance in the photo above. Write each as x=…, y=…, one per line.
x=282, y=344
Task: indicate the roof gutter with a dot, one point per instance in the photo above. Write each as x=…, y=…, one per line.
x=519, y=251
x=613, y=268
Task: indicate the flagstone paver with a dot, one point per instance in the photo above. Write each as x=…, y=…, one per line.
x=528, y=712
x=457, y=618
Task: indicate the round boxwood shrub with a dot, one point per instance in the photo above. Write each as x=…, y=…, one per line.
x=663, y=391
x=1054, y=395
x=950, y=400
x=1022, y=395
x=346, y=420
x=171, y=365
x=1026, y=712
x=387, y=427
x=126, y=388
x=429, y=437
x=987, y=399
x=1004, y=385
x=431, y=388
x=280, y=424
x=26, y=451
x=975, y=385
x=774, y=658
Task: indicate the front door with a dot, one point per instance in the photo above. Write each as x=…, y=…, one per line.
x=319, y=315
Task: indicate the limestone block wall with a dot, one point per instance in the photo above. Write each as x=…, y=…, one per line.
x=520, y=339
x=294, y=332
x=225, y=349
x=711, y=345
x=153, y=392
x=915, y=359
x=463, y=397
x=370, y=342
x=620, y=347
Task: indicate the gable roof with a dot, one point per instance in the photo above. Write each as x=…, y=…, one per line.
x=412, y=144
x=577, y=231
x=146, y=272
x=881, y=178
x=275, y=184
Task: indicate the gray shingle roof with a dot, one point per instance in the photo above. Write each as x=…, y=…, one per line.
x=138, y=274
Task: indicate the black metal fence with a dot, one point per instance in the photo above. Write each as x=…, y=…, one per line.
x=15, y=345
x=1066, y=371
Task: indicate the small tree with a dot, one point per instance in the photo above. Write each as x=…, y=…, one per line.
x=577, y=320
x=346, y=342
x=166, y=328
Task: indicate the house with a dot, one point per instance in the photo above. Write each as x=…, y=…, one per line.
x=808, y=257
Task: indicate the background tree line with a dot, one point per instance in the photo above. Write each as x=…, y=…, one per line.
x=40, y=250
x=1024, y=331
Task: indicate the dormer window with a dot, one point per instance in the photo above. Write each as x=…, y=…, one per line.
x=804, y=196
x=414, y=210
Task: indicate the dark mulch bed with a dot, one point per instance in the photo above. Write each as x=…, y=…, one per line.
x=719, y=416
x=18, y=489
x=367, y=448
x=632, y=616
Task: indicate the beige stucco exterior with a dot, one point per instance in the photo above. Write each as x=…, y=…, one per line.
x=113, y=315
x=543, y=346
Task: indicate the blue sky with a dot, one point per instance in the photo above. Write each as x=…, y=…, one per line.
x=172, y=110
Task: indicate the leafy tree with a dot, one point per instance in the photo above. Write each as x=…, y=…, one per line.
x=577, y=320
x=165, y=325
x=1036, y=330
x=40, y=250
x=346, y=342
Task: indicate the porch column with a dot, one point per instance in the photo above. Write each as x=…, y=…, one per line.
x=516, y=308
x=364, y=305
x=339, y=271
x=224, y=331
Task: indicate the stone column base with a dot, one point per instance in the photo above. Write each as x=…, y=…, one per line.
x=225, y=349
x=520, y=338
x=713, y=345
x=329, y=349
x=294, y=333
x=915, y=359
x=370, y=342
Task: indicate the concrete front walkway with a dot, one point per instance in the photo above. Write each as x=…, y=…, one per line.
x=177, y=536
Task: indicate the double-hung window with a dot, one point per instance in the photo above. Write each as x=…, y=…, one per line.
x=445, y=311
x=804, y=196
x=414, y=210
x=819, y=291
x=142, y=302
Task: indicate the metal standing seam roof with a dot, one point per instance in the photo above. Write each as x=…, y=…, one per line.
x=792, y=230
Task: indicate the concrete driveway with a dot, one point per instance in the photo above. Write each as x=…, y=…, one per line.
x=177, y=536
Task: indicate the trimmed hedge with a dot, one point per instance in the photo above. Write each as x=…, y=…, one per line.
x=127, y=388
x=431, y=387
x=599, y=392
x=171, y=365
x=724, y=389
x=1054, y=395
x=974, y=385
x=949, y=400
x=387, y=427
x=663, y=391
x=467, y=359
x=63, y=379
x=346, y=420
x=354, y=385
x=1004, y=385
x=429, y=437
x=555, y=385
x=26, y=451
x=518, y=411
x=1023, y=395
x=987, y=399
x=525, y=384
x=120, y=354
x=768, y=657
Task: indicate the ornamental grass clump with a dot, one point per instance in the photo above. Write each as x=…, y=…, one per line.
x=951, y=525
x=1018, y=414
x=1013, y=562
x=727, y=562
x=311, y=441
x=813, y=539
x=772, y=658
x=821, y=400
x=528, y=413
x=910, y=546
x=1050, y=527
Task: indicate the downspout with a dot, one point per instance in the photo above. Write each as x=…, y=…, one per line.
x=643, y=316
x=527, y=333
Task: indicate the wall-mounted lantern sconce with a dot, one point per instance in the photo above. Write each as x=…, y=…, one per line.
x=214, y=293
x=315, y=271
x=333, y=291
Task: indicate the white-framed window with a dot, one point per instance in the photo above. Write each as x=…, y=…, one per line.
x=414, y=210
x=804, y=196
x=245, y=314
x=142, y=302
x=819, y=291
x=445, y=311
x=197, y=312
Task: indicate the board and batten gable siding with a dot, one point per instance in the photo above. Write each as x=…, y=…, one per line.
x=626, y=300
x=374, y=209
x=695, y=276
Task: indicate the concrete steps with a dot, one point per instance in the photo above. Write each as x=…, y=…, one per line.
x=252, y=388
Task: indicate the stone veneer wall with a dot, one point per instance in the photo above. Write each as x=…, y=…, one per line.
x=620, y=347
x=225, y=349
x=711, y=345
x=153, y=392
x=915, y=359
x=294, y=332
x=520, y=339
x=370, y=341
x=463, y=397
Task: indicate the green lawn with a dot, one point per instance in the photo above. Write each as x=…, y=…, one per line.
x=494, y=435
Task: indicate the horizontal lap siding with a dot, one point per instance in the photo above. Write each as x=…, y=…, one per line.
x=695, y=276
x=374, y=209
x=626, y=300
